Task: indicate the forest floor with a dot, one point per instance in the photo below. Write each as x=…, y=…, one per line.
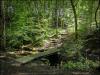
x=40, y=70
x=7, y=69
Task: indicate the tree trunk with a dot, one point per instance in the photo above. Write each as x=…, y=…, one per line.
x=2, y=25
x=75, y=18
x=96, y=14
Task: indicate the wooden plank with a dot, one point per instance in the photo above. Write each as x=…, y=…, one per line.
x=29, y=58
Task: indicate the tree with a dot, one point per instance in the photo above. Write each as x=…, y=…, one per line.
x=96, y=14
x=2, y=25
x=75, y=18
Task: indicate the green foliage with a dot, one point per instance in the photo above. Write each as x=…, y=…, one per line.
x=25, y=36
x=32, y=21
x=84, y=65
x=73, y=48
x=25, y=27
x=76, y=60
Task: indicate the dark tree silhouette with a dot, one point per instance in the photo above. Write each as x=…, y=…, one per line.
x=2, y=25
x=75, y=18
x=96, y=14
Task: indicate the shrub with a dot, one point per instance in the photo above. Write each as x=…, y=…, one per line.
x=81, y=65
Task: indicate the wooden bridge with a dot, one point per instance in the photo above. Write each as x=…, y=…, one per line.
x=26, y=59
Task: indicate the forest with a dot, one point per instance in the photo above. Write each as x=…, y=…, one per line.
x=41, y=35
